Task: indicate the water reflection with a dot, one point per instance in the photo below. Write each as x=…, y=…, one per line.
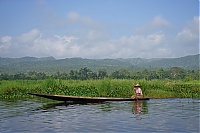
x=34, y=115
x=51, y=106
x=66, y=104
x=105, y=107
x=139, y=107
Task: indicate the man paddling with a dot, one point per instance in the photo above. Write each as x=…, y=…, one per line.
x=138, y=91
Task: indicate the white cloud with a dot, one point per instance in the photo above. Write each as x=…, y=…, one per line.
x=29, y=36
x=188, y=38
x=156, y=38
x=158, y=23
x=139, y=45
x=65, y=39
x=73, y=17
x=5, y=44
x=33, y=43
x=6, y=39
x=57, y=46
x=189, y=35
x=91, y=42
x=86, y=28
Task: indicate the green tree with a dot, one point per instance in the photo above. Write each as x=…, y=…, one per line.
x=19, y=76
x=73, y=74
x=136, y=75
x=102, y=73
x=84, y=73
x=121, y=74
x=177, y=73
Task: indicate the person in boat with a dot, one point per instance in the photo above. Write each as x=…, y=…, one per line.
x=138, y=91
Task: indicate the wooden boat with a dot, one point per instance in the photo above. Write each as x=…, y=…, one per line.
x=84, y=99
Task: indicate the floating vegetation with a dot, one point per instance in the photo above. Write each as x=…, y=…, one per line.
x=99, y=88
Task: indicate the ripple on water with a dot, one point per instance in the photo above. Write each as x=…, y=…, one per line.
x=162, y=115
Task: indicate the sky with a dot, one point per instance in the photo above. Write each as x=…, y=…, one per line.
x=98, y=29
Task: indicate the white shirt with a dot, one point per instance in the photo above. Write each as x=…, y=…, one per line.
x=138, y=91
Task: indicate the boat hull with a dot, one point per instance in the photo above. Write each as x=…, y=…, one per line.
x=84, y=99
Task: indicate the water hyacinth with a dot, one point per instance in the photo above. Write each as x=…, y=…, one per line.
x=99, y=88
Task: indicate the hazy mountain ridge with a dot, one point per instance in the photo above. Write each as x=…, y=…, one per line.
x=190, y=62
x=52, y=65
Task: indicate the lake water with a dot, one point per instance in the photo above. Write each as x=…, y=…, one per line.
x=155, y=115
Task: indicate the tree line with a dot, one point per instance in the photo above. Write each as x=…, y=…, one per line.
x=175, y=73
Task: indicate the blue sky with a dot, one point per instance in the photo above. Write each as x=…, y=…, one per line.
x=99, y=28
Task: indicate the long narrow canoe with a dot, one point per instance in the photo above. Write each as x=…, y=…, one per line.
x=84, y=99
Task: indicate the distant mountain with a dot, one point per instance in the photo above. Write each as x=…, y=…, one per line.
x=51, y=65
x=190, y=62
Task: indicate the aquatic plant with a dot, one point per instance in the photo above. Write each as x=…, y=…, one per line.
x=96, y=88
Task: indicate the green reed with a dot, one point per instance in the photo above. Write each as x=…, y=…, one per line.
x=99, y=88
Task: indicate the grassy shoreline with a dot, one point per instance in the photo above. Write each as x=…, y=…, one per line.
x=100, y=88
